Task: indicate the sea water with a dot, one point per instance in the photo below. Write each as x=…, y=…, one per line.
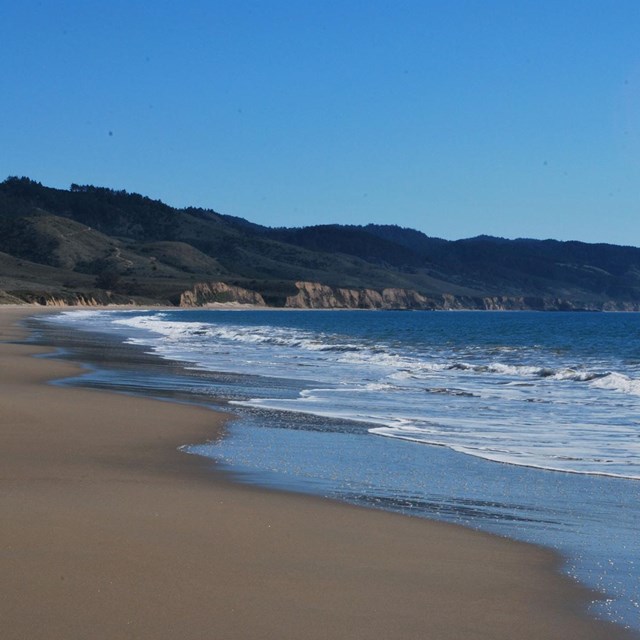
x=521, y=424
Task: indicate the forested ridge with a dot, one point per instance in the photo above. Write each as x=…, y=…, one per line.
x=107, y=244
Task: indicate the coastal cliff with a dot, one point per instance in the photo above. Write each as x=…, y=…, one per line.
x=314, y=295
x=68, y=299
x=206, y=293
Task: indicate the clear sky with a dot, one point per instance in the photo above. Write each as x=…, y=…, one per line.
x=505, y=117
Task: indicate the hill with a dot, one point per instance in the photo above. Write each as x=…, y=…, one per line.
x=93, y=244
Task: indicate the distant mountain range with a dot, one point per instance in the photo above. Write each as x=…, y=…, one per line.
x=94, y=245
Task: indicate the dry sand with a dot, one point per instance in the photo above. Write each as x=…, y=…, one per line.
x=109, y=532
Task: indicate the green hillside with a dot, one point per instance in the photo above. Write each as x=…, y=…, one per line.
x=116, y=246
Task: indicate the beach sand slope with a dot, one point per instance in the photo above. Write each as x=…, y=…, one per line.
x=108, y=531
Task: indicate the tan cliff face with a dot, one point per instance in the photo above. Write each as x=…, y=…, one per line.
x=313, y=295
x=206, y=293
x=67, y=299
x=80, y=301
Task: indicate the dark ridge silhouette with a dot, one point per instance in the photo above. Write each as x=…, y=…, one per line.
x=97, y=243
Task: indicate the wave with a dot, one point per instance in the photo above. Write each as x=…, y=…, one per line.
x=347, y=350
x=453, y=392
x=610, y=380
x=581, y=465
x=494, y=409
x=618, y=382
x=267, y=335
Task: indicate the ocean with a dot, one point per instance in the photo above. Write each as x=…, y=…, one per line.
x=522, y=424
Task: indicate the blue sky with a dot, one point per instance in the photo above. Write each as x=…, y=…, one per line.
x=511, y=118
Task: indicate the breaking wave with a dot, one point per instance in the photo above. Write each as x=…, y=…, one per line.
x=521, y=405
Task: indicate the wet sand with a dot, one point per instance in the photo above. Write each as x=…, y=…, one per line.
x=108, y=531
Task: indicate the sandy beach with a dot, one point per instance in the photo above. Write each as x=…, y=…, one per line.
x=108, y=531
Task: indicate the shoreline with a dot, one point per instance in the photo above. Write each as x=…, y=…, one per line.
x=237, y=306
x=113, y=532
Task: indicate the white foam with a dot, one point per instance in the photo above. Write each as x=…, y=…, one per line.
x=618, y=382
x=80, y=315
x=549, y=458
x=527, y=409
